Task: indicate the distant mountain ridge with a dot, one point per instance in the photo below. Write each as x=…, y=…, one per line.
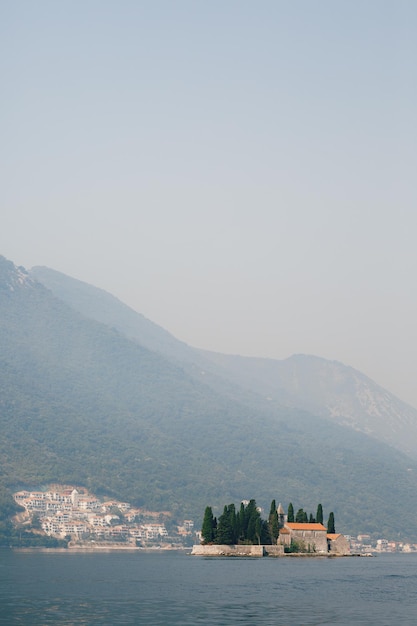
x=331, y=390
x=98, y=304
x=82, y=403
x=325, y=388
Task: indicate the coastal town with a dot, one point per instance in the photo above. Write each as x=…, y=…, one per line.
x=74, y=514
x=363, y=544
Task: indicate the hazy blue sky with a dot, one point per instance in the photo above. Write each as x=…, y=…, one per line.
x=242, y=173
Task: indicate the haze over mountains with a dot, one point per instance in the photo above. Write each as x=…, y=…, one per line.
x=326, y=388
x=93, y=393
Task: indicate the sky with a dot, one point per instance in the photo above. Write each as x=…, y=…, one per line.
x=241, y=173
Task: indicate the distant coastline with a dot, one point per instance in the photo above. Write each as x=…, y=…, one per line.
x=101, y=549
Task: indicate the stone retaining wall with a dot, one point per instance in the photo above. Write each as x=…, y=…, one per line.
x=275, y=550
x=256, y=551
x=224, y=550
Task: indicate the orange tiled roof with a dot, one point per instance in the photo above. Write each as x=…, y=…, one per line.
x=299, y=526
x=333, y=535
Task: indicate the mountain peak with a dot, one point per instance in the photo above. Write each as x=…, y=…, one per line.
x=13, y=277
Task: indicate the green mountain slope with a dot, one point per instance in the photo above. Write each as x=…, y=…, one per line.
x=81, y=403
x=325, y=388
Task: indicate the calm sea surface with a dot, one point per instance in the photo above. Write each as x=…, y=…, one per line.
x=41, y=588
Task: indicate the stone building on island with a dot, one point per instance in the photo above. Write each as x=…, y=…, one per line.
x=338, y=544
x=310, y=537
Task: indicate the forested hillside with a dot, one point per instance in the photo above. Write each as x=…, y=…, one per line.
x=329, y=389
x=319, y=386
x=82, y=403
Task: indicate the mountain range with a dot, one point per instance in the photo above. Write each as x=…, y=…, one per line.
x=93, y=393
x=325, y=388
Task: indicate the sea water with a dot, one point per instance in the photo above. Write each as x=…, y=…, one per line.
x=173, y=588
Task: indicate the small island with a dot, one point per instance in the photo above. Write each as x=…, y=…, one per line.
x=244, y=533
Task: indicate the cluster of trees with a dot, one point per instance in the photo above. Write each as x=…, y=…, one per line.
x=245, y=526
x=302, y=517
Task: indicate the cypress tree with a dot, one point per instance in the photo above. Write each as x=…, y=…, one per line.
x=251, y=514
x=265, y=535
x=233, y=522
x=311, y=520
x=207, y=529
x=237, y=527
x=242, y=522
x=290, y=517
x=224, y=533
x=258, y=529
x=273, y=523
x=319, y=514
x=330, y=523
x=300, y=516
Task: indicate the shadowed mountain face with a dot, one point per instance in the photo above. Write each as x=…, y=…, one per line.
x=324, y=388
x=101, y=306
x=81, y=402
